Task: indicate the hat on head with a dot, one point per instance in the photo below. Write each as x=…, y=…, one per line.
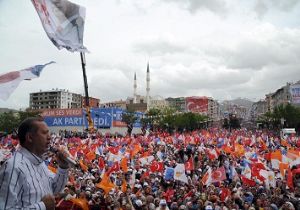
x=139, y=203
x=163, y=202
x=209, y=207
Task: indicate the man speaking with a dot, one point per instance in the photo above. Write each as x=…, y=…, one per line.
x=25, y=181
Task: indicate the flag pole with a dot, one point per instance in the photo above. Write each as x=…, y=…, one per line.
x=83, y=63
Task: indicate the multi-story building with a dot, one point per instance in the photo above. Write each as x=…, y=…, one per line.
x=258, y=109
x=213, y=109
x=281, y=96
x=157, y=102
x=177, y=103
x=55, y=99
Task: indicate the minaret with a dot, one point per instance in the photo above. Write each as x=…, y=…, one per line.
x=134, y=89
x=148, y=87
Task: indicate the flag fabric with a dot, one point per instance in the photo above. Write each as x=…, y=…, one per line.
x=169, y=173
x=247, y=181
x=289, y=181
x=63, y=22
x=83, y=166
x=114, y=168
x=123, y=164
x=218, y=175
x=124, y=186
x=146, y=160
x=189, y=165
x=206, y=179
x=179, y=173
x=105, y=184
x=81, y=202
x=10, y=81
x=156, y=166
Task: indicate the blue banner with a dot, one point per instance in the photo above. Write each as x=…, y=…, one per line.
x=102, y=118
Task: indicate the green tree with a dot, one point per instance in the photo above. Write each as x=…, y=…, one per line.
x=9, y=121
x=129, y=118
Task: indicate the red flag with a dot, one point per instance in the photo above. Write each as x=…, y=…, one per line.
x=114, y=150
x=218, y=175
x=114, y=167
x=189, y=165
x=225, y=192
x=101, y=163
x=290, y=183
x=157, y=166
x=248, y=182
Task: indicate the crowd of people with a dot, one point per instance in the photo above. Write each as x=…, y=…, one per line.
x=204, y=169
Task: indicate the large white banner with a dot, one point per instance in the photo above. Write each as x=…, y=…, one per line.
x=63, y=22
x=295, y=93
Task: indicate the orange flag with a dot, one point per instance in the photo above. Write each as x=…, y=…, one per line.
x=105, y=184
x=54, y=170
x=283, y=167
x=136, y=149
x=83, y=166
x=276, y=155
x=90, y=156
x=81, y=202
x=123, y=165
x=124, y=186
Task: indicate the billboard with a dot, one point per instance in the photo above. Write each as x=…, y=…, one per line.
x=102, y=117
x=295, y=93
x=197, y=104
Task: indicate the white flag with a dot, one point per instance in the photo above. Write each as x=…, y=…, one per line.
x=63, y=22
x=10, y=81
x=179, y=173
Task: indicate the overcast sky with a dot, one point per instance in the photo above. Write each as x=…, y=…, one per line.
x=219, y=48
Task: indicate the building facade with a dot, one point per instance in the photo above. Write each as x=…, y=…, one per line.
x=54, y=99
x=93, y=102
x=176, y=103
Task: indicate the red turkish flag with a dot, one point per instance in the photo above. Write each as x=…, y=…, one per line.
x=248, y=182
x=157, y=166
x=189, y=165
x=218, y=175
x=225, y=192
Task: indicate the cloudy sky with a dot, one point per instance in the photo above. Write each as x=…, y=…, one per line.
x=219, y=48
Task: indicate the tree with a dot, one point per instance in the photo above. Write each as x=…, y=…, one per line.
x=9, y=121
x=290, y=114
x=129, y=118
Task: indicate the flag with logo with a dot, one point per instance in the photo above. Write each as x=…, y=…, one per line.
x=63, y=22
x=169, y=174
x=179, y=173
x=10, y=81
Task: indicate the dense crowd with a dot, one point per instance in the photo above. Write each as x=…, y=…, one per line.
x=204, y=169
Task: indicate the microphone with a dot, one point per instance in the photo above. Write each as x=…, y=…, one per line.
x=68, y=159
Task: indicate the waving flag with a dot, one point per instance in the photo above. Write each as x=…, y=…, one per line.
x=10, y=81
x=179, y=173
x=189, y=165
x=169, y=173
x=63, y=22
